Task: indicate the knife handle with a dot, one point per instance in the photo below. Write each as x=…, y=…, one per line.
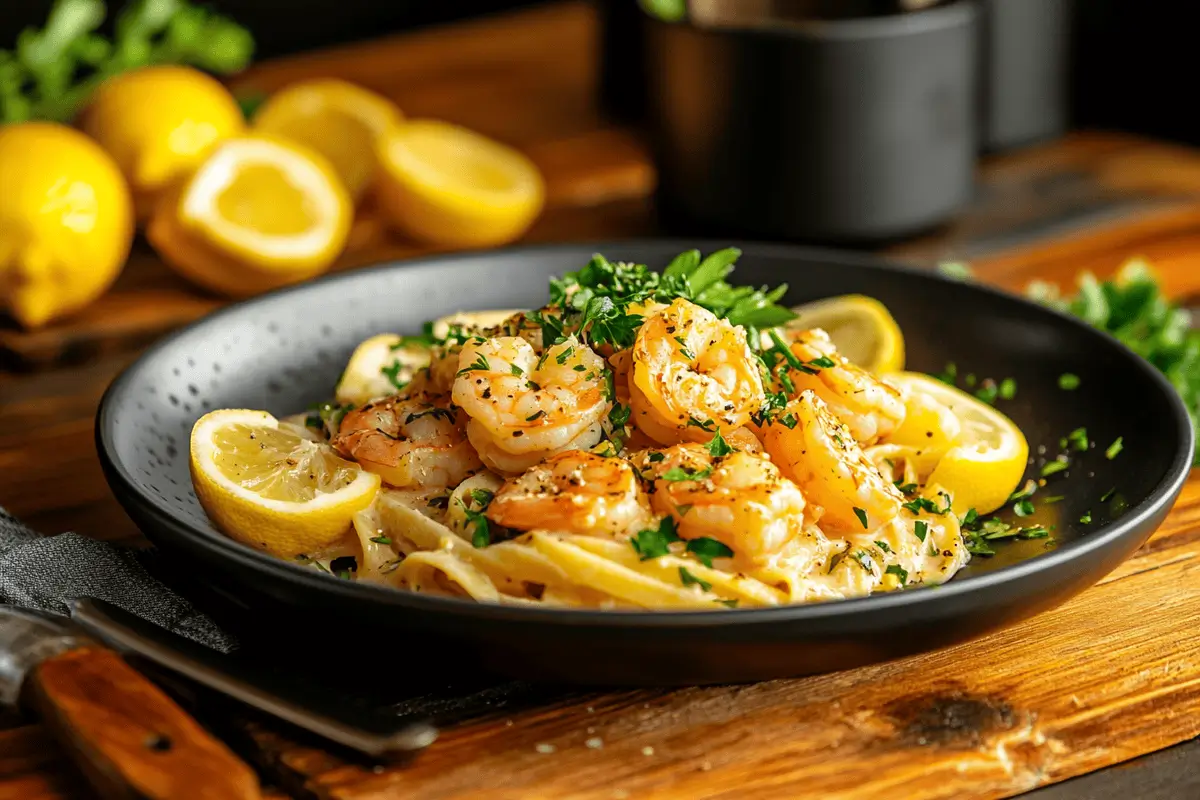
x=130, y=739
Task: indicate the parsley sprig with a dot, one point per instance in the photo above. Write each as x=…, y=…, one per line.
x=51, y=72
x=1133, y=308
x=596, y=300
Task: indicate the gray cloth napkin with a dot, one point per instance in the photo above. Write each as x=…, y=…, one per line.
x=48, y=572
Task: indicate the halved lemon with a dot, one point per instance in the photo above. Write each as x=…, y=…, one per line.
x=861, y=328
x=339, y=120
x=443, y=184
x=269, y=211
x=268, y=487
x=380, y=366
x=987, y=461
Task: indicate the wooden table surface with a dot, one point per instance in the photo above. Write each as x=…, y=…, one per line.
x=1112, y=675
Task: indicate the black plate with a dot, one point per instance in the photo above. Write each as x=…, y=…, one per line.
x=284, y=351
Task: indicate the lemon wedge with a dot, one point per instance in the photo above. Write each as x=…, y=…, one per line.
x=339, y=120
x=987, y=461
x=380, y=366
x=446, y=185
x=270, y=488
x=861, y=328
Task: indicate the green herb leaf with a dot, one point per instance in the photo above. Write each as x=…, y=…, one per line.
x=688, y=579
x=653, y=542
x=1054, y=467
x=717, y=446
x=681, y=474
x=706, y=549
x=900, y=572
x=862, y=516
x=1114, y=449
x=381, y=539
x=921, y=529
x=1068, y=382
x=884, y=546
x=1023, y=508
x=1086, y=518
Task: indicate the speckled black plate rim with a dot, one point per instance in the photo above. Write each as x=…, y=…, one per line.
x=1109, y=536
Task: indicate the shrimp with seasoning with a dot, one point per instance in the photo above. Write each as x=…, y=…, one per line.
x=742, y=500
x=524, y=409
x=692, y=374
x=573, y=492
x=815, y=449
x=870, y=407
x=415, y=441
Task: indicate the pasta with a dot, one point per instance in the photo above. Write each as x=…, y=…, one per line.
x=637, y=445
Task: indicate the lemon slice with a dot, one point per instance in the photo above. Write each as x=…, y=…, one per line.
x=269, y=203
x=987, y=461
x=447, y=185
x=380, y=366
x=271, y=489
x=339, y=120
x=861, y=328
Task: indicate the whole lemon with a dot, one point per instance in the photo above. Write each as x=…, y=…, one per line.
x=160, y=123
x=66, y=221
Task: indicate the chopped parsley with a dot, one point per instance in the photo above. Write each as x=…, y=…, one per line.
x=921, y=529
x=1068, y=382
x=1086, y=518
x=481, y=535
x=328, y=415
x=1115, y=448
x=479, y=364
x=653, y=542
x=1056, y=466
x=516, y=370
x=392, y=373
x=655, y=457
x=1104, y=498
x=1023, y=508
x=919, y=504
x=706, y=549
x=1008, y=389
x=862, y=516
x=905, y=488
x=883, y=546
x=675, y=474
x=731, y=603
x=717, y=446
x=707, y=425
x=688, y=579
x=381, y=539
x=1078, y=439
x=900, y=572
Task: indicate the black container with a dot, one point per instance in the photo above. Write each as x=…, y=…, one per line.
x=846, y=131
x=1026, y=71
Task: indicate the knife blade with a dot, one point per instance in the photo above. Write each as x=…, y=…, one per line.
x=129, y=739
x=376, y=733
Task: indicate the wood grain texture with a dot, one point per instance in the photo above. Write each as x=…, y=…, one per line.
x=127, y=737
x=1110, y=676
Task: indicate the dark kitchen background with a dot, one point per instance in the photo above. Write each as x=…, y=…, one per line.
x=1126, y=53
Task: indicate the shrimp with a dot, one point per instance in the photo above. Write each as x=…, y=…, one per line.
x=870, y=407
x=413, y=441
x=524, y=409
x=574, y=492
x=692, y=374
x=815, y=449
x=742, y=500
x=437, y=378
